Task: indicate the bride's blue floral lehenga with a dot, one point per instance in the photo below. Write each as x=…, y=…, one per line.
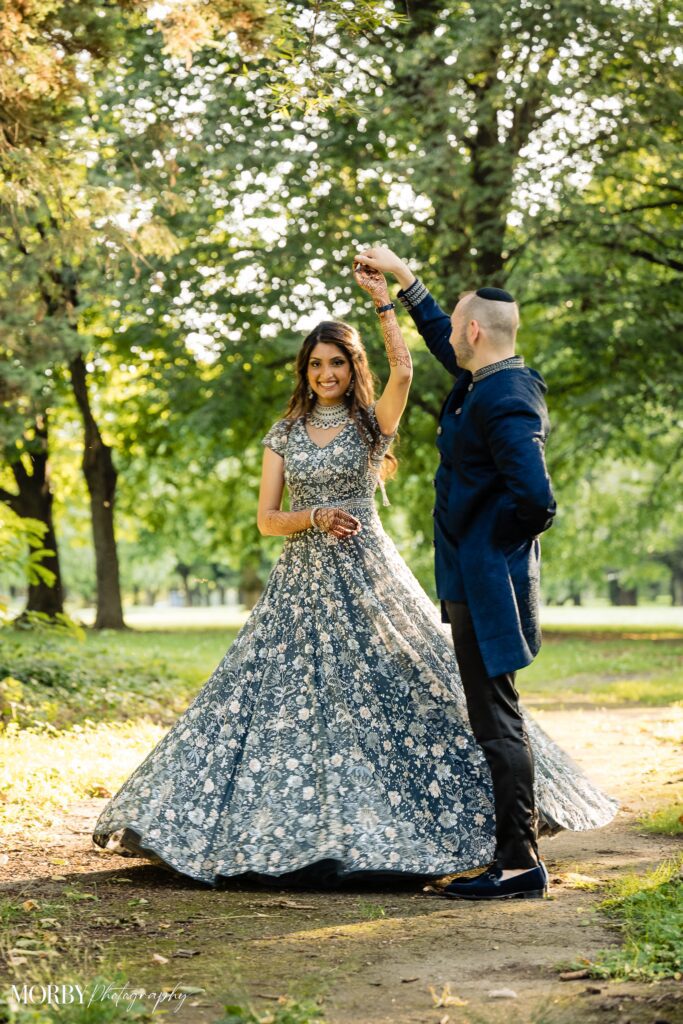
x=332, y=741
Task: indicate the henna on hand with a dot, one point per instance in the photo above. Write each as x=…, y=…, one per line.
x=371, y=280
x=337, y=522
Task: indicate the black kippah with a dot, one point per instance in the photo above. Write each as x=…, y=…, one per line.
x=494, y=293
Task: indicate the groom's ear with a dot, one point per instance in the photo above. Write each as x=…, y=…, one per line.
x=473, y=331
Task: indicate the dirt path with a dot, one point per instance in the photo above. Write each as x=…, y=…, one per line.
x=372, y=955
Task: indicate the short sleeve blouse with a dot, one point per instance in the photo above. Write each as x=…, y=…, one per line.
x=276, y=438
x=383, y=441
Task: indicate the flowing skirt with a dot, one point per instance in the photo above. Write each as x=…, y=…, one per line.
x=333, y=739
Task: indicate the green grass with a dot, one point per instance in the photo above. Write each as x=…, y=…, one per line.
x=607, y=667
x=647, y=910
x=667, y=821
x=60, y=680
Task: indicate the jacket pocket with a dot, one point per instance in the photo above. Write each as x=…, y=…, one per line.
x=508, y=528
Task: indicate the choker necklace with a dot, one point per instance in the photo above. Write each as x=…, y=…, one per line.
x=328, y=416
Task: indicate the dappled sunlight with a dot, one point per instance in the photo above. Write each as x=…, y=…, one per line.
x=41, y=774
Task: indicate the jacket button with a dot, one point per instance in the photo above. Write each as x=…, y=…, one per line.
x=458, y=411
x=439, y=430
x=470, y=386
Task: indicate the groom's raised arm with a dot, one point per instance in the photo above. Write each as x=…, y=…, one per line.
x=433, y=324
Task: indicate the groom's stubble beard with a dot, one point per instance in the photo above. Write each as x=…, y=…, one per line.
x=464, y=352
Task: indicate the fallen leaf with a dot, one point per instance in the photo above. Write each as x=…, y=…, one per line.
x=574, y=975
x=99, y=790
x=190, y=990
x=58, y=878
x=502, y=993
x=446, y=998
x=407, y=981
x=159, y=959
x=576, y=879
x=29, y=905
x=187, y=952
x=16, y=961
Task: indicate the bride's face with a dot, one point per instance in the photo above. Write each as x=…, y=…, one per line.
x=329, y=372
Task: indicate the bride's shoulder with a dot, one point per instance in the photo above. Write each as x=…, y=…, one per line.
x=278, y=435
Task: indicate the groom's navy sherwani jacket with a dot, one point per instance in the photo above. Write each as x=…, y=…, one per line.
x=493, y=493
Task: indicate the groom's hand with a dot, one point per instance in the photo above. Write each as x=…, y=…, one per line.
x=381, y=257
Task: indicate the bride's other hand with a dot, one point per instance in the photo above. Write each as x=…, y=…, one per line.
x=337, y=522
x=371, y=280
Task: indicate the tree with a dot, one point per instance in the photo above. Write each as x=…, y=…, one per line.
x=63, y=212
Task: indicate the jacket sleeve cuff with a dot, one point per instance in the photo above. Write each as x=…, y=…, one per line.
x=413, y=296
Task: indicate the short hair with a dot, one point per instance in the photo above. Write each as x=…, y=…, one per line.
x=498, y=317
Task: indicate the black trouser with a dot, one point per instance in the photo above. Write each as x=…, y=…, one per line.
x=498, y=727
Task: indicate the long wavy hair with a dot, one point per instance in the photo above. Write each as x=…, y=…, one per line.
x=348, y=341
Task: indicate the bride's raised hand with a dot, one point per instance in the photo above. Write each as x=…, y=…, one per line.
x=372, y=281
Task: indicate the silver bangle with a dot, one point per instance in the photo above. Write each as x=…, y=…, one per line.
x=313, y=512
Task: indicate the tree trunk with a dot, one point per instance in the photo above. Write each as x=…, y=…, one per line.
x=34, y=501
x=100, y=475
x=677, y=585
x=622, y=597
x=184, y=573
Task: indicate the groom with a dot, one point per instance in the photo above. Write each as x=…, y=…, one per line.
x=493, y=498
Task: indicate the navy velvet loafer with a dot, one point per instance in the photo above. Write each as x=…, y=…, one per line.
x=529, y=885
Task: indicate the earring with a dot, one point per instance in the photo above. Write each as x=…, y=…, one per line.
x=309, y=392
x=350, y=387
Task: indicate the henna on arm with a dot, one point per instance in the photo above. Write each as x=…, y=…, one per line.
x=277, y=523
x=374, y=282
x=398, y=353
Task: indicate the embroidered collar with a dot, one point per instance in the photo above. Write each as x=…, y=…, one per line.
x=511, y=363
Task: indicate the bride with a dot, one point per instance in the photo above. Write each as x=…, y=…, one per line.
x=332, y=741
